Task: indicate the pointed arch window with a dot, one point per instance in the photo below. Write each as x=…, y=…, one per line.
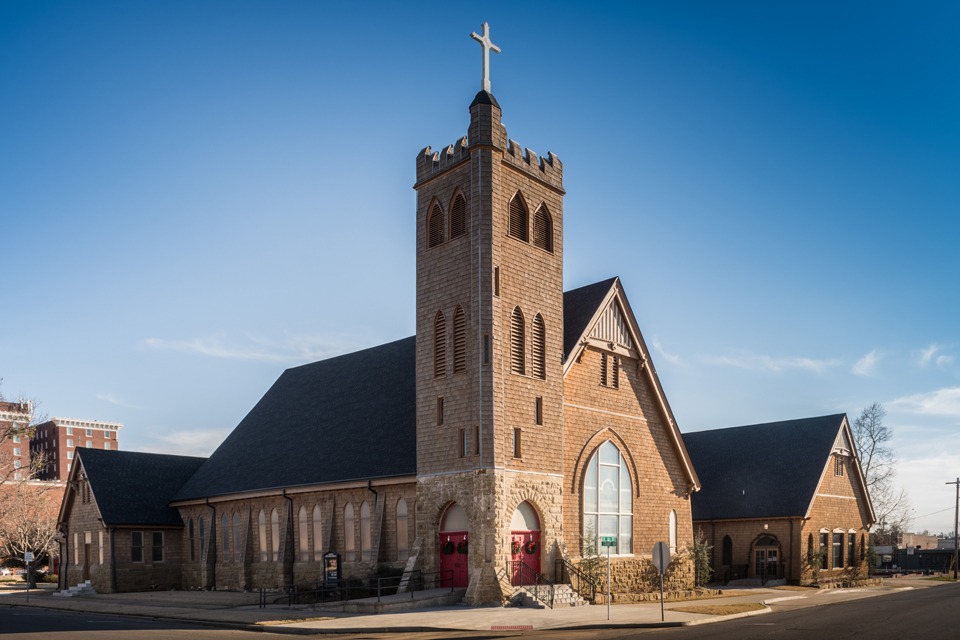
x=458, y=216
x=439, y=345
x=317, y=534
x=225, y=535
x=303, y=526
x=517, y=342
x=519, y=219
x=275, y=534
x=608, y=499
x=237, y=549
x=543, y=229
x=403, y=536
x=349, y=541
x=365, y=541
x=435, y=226
x=262, y=531
x=459, y=340
x=673, y=531
x=191, y=538
x=203, y=550
x=538, y=348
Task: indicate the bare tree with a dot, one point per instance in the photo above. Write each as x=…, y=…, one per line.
x=872, y=439
x=28, y=519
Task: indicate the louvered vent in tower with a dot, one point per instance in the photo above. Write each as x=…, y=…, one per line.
x=518, y=218
x=459, y=340
x=517, y=364
x=458, y=216
x=435, y=227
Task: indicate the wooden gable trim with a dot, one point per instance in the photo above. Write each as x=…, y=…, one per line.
x=858, y=476
x=617, y=294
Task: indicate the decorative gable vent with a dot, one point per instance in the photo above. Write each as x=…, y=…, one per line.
x=612, y=327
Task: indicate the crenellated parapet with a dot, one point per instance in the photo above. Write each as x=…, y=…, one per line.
x=548, y=169
x=430, y=163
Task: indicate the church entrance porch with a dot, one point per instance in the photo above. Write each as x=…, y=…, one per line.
x=766, y=558
x=524, y=545
x=454, y=548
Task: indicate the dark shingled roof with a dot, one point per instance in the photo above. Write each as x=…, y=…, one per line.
x=347, y=418
x=352, y=417
x=762, y=470
x=579, y=306
x=133, y=488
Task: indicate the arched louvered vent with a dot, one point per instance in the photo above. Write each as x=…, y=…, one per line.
x=517, y=364
x=458, y=216
x=543, y=229
x=538, y=349
x=439, y=345
x=435, y=226
x=459, y=340
x=518, y=218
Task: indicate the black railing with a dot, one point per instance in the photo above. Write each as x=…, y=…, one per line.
x=377, y=586
x=536, y=584
x=580, y=582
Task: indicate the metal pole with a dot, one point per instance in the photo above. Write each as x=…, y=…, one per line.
x=608, y=582
x=956, y=523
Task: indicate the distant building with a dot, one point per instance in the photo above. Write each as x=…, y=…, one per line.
x=15, y=440
x=55, y=442
x=919, y=541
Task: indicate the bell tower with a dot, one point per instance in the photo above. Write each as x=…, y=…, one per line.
x=489, y=341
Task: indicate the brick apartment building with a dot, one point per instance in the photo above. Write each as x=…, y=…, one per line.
x=521, y=424
x=15, y=440
x=54, y=443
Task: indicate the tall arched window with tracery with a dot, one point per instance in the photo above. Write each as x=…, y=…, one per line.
x=458, y=216
x=317, y=534
x=237, y=549
x=608, y=499
x=543, y=229
x=262, y=535
x=349, y=539
x=225, y=536
x=459, y=340
x=435, y=226
x=517, y=342
x=403, y=534
x=439, y=345
x=519, y=219
x=538, y=348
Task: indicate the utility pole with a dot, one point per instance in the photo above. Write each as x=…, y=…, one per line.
x=956, y=525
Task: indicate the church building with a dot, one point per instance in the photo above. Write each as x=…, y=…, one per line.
x=520, y=427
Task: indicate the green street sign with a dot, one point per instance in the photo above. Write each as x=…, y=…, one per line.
x=608, y=541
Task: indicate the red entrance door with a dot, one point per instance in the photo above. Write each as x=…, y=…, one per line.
x=453, y=559
x=524, y=550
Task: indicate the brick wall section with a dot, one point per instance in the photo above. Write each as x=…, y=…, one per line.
x=839, y=506
x=631, y=417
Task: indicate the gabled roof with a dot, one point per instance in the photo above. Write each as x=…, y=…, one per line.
x=132, y=488
x=352, y=417
x=583, y=312
x=763, y=470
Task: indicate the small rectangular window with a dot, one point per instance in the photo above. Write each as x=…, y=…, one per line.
x=157, y=555
x=538, y=410
x=16, y=438
x=476, y=440
x=439, y=410
x=89, y=433
x=69, y=431
x=69, y=443
x=462, y=444
x=851, y=549
x=486, y=348
x=496, y=281
x=106, y=445
x=70, y=455
x=517, y=448
x=16, y=452
x=837, y=550
x=136, y=546
x=89, y=444
x=106, y=435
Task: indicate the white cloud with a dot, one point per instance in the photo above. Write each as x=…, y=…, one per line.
x=867, y=365
x=669, y=357
x=201, y=442
x=942, y=402
x=753, y=362
x=293, y=350
x=113, y=399
x=933, y=355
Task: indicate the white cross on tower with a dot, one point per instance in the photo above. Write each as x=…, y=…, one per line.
x=487, y=47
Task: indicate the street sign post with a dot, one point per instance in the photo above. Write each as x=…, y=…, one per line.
x=661, y=560
x=28, y=558
x=608, y=542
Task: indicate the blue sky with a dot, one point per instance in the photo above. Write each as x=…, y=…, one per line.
x=197, y=195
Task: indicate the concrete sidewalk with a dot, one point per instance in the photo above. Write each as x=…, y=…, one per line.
x=241, y=610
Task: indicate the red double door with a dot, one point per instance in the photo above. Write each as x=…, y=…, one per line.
x=525, y=549
x=454, y=551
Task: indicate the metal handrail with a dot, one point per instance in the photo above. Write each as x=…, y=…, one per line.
x=533, y=581
x=569, y=573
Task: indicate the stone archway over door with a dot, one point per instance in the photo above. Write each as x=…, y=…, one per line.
x=525, y=545
x=453, y=547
